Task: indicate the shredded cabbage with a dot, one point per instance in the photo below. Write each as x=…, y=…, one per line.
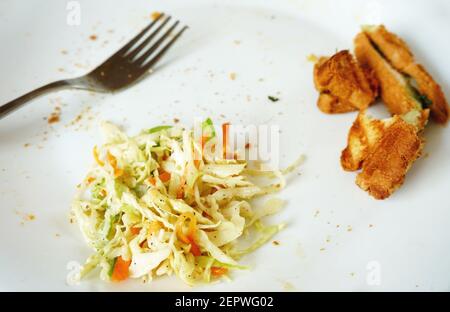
x=148, y=202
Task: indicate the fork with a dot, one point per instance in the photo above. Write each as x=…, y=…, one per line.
x=120, y=70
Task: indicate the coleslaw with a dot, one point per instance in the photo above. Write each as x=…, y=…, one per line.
x=149, y=207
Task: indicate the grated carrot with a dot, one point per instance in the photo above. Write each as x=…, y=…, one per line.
x=113, y=162
x=97, y=159
x=121, y=270
x=218, y=271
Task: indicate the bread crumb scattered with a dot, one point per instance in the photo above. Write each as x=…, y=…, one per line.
x=276, y=243
x=312, y=58
x=93, y=37
x=233, y=76
x=55, y=115
x=155, y=15
x=288, y=286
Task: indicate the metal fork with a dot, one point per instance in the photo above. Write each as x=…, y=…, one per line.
x=120, y=70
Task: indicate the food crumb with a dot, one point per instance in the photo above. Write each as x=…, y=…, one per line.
x=176, y=120
x=26, y=145
x=155, y=15
x=312, y=58
x=55, y=115
x=288, y=286
x=61, y=69
x=57, y=235
x=276, y=243
x=25, y=217
x=247, y=145
x=30, y=217
x=237, y=42
x=64, y=52
x=371, y=225
x=93, y=37
x=233, y=76
x=273, y=98
x=316, y=213
x=322, y=249
x=349, y=228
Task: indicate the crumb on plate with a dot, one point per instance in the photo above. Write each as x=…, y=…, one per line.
x=154, y=15
x=312, y=58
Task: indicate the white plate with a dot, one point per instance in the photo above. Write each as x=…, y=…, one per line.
x=338, y=238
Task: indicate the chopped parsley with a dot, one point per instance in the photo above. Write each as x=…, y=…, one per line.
x=273, y=98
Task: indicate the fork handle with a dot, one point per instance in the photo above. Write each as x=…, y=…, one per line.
x=20, y=101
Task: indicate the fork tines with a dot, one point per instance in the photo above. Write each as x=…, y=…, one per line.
x=148, y=51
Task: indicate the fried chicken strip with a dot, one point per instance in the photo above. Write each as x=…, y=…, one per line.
x=366, y=132
x=400, y=57
x=385, y=167
x=393, y=86
x=343, y=85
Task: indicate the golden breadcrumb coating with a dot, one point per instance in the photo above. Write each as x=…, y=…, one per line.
x=398, y=54
x=343, y=85
x=385, y=167
x=393, y=86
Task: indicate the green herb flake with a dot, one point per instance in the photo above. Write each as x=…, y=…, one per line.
x=273, y=98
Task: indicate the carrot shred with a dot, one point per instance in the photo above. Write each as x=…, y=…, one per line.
x=218, y=271
x=192, y=230
x=113, y=162
x=152, y=181
x=164, y=176
x=195, y=249
x=89, y=180
x=225, y=137
x=121, y=270
x=180, y=191
x=197, y=163
x=203, y=141
x=96, y=157
x=135, y=230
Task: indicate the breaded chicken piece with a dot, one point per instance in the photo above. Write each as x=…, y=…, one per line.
x=366, y=132
x=343, y=85
x=400, y=57
x=362, y=137
x=385, y=167
x=394, y=88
